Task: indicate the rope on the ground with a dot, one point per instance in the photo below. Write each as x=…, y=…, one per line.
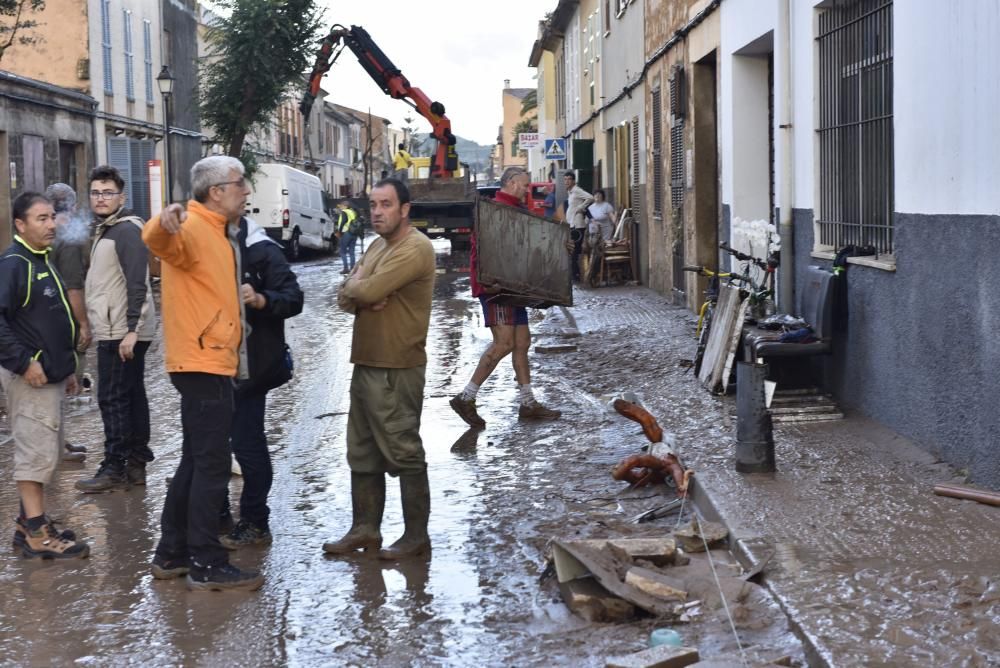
x=722, y=595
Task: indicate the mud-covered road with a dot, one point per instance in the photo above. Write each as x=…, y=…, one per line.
x=498, y=497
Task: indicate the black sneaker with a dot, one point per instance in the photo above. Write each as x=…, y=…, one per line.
x=243, y=534
x=168, y=569
x=110, y=476
x=223, y=577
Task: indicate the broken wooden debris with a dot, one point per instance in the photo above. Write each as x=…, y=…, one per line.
x=656, y=583
x=556, y=348
x=692, y=536
x=658, y=551
x=575, y=559
x=586, y=598
x=663, y=656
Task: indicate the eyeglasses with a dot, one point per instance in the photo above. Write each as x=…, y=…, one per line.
x=104, y=194
x=241, y=183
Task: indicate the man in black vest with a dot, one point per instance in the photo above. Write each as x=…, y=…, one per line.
x=38, y=339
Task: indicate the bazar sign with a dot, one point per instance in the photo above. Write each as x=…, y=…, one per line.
x=527, y=140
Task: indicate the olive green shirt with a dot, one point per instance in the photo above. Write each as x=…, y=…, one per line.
x=403, y=273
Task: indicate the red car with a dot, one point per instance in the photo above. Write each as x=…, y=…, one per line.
x=534, y=199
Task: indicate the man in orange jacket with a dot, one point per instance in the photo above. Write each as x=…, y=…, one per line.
x=205, y=349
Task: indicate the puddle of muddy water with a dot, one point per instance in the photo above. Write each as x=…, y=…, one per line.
x=498, y=497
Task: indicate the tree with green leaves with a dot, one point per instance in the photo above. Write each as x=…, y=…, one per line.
x=258, y=50
x=529, y=102
x=16, y=22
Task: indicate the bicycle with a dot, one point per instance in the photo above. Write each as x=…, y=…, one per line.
x=707, y=310
x=759, y=293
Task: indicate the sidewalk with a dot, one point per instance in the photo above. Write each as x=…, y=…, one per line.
x=871, y=567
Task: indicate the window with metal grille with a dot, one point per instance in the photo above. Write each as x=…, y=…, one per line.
x=677, y=107
x=147, y=48
x=657, y=155
x=129, y=80
x=855, y=125
x=106, y=46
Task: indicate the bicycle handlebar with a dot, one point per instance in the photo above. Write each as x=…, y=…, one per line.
x=743, y=257
x=695, y=268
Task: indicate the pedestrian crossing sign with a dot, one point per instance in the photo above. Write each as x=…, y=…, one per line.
x=555, y=149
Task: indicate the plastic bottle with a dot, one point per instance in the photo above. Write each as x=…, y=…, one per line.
x=665, y=637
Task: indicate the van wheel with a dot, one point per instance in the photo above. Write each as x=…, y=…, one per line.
x=292, y=249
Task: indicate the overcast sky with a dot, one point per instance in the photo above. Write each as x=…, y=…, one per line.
x=457, y=51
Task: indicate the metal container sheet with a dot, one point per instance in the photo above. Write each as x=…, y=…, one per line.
x=524, y=254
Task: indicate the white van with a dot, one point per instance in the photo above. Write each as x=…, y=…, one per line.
x=288, y=204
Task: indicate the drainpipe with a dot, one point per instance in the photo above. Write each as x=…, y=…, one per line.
x=786, y=293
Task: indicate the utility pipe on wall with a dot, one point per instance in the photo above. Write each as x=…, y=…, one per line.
x=786, y=292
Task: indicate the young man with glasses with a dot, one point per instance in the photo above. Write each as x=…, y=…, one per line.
x=122, y=322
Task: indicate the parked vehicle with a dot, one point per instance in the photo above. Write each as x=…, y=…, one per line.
x=535, y=197
x=488, y=192
x=288, y=204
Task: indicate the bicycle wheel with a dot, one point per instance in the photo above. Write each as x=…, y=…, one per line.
x=706, y=327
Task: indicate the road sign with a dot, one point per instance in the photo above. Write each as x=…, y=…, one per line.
x=527, y=139
x=555, y=149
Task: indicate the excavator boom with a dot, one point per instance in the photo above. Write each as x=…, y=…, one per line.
x=391, y=81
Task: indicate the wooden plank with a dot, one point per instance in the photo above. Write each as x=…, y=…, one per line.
x=734, y=343
x=605, y=567
x=726, y=319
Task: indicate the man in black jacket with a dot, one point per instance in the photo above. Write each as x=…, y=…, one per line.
x=38, y=338
x=271, y=294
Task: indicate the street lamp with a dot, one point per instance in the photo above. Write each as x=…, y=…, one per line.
x=165, y=82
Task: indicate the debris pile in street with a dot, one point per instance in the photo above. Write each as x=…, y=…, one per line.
x=658, y=462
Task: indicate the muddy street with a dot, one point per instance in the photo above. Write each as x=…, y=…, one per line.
x=498, y=497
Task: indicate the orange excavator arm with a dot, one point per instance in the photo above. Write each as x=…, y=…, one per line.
x=391, y=81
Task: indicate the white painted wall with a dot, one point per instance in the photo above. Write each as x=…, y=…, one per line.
x=621, y=63
x=751, y=189
x=571, y=54
x=804, y=57
x=742, y=21
x=946, y=102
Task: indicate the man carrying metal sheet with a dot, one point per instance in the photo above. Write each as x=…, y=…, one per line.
x=509, y=325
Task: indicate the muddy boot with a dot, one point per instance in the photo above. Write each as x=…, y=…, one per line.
x=135, y=471
x=74, y=453
x=416, y=495
x=466, y=409
x=367, y=503
x=110, y=476
x=45, y=542
x=535, y=411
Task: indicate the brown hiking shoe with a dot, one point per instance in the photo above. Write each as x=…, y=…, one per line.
x=536, y=411
x=47, y=543
x=466, y=409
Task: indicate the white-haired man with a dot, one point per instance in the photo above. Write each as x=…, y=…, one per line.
x=205, y=349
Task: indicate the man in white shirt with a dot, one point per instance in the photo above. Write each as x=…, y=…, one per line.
x=578, y=199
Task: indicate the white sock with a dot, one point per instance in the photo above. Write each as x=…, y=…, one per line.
x=526, y=395
x=470, y=391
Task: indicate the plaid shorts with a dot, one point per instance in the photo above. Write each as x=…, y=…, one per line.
x=503, y=314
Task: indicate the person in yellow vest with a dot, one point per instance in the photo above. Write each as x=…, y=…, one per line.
x=401, y=163
x=348, y=230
